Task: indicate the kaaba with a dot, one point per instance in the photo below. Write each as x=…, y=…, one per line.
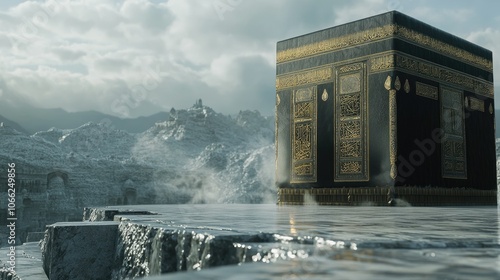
x=385, y=110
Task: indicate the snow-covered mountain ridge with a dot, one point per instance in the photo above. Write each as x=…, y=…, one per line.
x=195, y=156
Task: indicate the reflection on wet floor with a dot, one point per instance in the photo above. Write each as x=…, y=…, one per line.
x=304, y=242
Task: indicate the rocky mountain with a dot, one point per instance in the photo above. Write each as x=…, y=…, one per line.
x=38, y=119
x=195, y=155
x=7, y=122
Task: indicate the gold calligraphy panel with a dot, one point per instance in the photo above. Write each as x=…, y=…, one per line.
x=350, y=105
x=302, y=95
x=304, y=135
x=350, y=83
x=350, y=167
x=380, y=33
x=453, y=145
x=475, y=104
x=335, y=43
x=303, y=141
x=432, y=71
x=351, y=151
x=303, y=110
x=350, y=129
x=305, y=169
x=426, y=90
x=310, y=76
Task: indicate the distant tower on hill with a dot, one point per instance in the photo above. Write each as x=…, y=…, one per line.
x=198, y=103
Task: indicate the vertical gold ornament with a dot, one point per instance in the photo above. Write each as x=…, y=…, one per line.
x=397, y=84
x=393, y=122
x=324, y=96
x=388, y=83
x=407, y=86
x=276, y=136
x=393, y=125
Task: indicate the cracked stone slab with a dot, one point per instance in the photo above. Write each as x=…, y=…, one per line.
x=79, y=250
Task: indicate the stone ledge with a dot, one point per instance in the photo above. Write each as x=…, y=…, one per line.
x=106, y=214
x=79, y=250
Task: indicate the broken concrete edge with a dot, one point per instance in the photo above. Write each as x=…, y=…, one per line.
x=83, y=250
x=108, y=214
x=97, y=222
x=145, y=250
x=136, y=248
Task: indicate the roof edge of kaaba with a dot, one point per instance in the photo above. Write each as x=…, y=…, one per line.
x=380, y=27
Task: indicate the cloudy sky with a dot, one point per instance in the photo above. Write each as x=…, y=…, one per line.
x=137, y=57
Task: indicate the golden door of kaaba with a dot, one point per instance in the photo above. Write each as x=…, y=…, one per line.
x=381, y=110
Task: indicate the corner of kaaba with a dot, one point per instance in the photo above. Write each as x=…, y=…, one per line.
x=386, y=110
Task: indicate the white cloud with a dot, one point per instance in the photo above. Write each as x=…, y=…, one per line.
x=489, y=38
x=68, y=54
x=449, y=16
x=83, y=55
x=359, y=10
